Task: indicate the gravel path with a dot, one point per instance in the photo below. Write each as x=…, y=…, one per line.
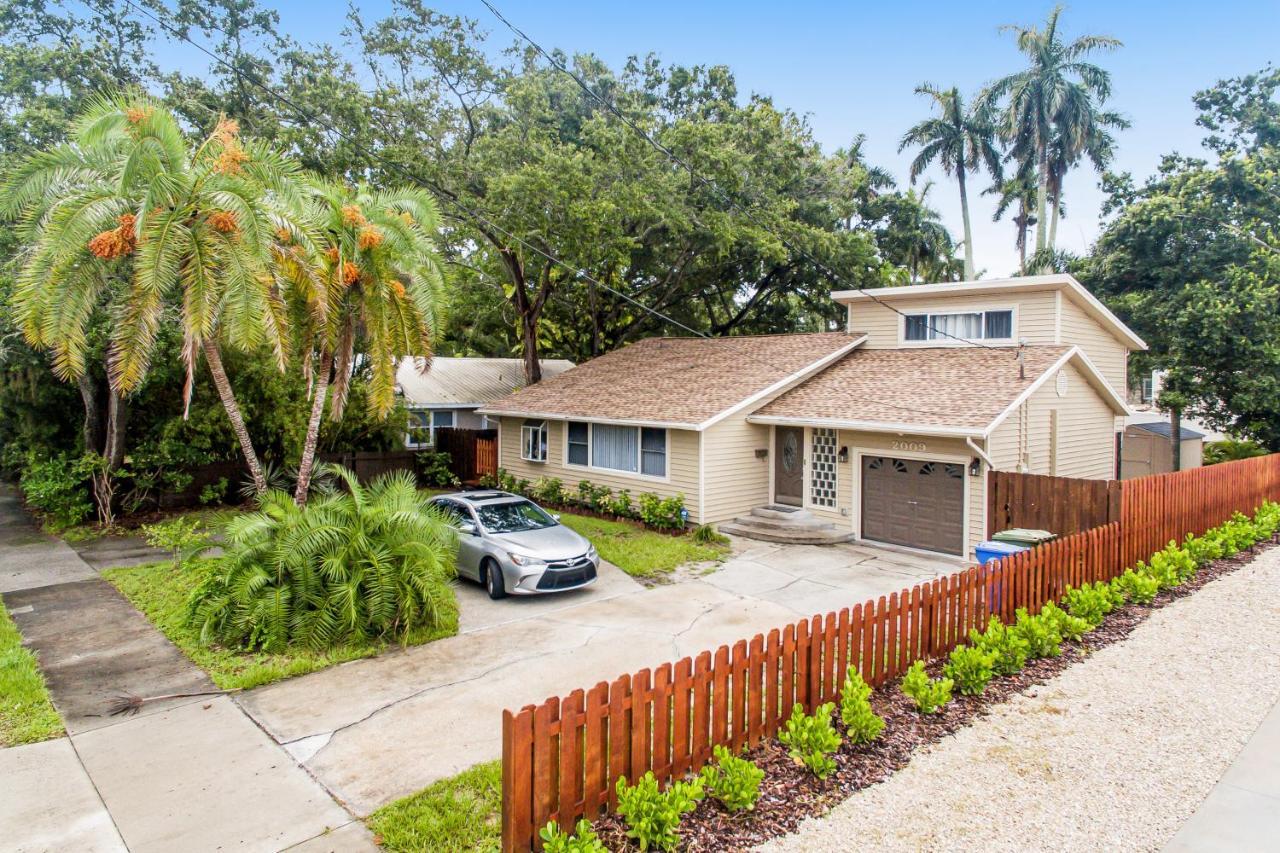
x=1113, y=754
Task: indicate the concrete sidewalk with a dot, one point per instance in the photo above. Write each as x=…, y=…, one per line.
x=191, y=773
x=1242, y=812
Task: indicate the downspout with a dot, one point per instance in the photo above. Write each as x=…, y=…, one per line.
x=982, y=454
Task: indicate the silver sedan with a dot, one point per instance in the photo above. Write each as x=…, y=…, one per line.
x=512, y=545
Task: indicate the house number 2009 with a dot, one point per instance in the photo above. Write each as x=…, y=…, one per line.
x=908, y=445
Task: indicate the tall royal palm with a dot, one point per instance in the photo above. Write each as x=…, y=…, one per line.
x=1085, y=133
x=1040, y=100
x=961, y=141
x=378, y=284
x=1019, y=194
x=192, y=226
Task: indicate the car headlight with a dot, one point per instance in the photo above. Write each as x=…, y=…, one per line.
x=525, y=561
x=591, y=552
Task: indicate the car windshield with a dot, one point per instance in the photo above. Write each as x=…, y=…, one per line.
x=513, y=517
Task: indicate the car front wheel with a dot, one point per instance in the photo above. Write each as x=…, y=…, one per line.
x=493, y=580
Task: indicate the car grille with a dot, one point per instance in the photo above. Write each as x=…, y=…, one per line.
x=561, y=574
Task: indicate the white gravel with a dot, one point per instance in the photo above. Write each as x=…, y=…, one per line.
x=1113, y=754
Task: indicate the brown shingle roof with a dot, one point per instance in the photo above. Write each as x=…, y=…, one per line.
x=962, y=387
x=673, y=380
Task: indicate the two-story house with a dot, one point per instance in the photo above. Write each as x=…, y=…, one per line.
x=883, y=432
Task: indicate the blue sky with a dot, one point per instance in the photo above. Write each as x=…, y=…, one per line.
x=851, y=67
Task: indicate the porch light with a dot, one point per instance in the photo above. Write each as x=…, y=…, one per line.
x=975, y=467
x=843, y=455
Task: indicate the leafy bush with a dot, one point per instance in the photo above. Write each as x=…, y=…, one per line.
x=929, y=694
x=1140, y=589
x=733, y=781
x=58, y=486
x=214, y=493
x=434, y=469
x=1066, y=626
x=1229, y=450
x=1040, y=633
x=522, y=487
x=1008, y=648
x=861, y=724
x=548, y=490
x=812, y=739
x=369, y=562
x=500, y=479
x=583, y=840
x=594, y=497
x=970, y=669
x=705, y=534
x=653, y=816
x=1266, y=522
x=661, y=513
x=1090, y=602
x=183, y=536
x=620, y=504
x=1204, y=549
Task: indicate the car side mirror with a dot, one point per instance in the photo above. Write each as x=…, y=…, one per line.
x=467, y=528
x=556, y=516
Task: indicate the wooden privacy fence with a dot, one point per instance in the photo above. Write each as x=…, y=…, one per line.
x=472, y=452
x=1061, y=505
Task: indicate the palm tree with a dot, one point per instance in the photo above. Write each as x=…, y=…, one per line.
x=194, y=226
x=1083, y=134
x=1020, y=190
x=377, y=278
x=1044, y=97
x=961, y=141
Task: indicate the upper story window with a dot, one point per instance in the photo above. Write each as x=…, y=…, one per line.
x=966, y=325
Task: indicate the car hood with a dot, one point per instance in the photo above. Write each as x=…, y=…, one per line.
x=547, y=543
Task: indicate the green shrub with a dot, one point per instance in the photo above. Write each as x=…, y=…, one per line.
x=653, y=816
x=1203, y=549
x=812, y=739
x=861, y=724
x=214, y=493
x=522, y=487
x=59, y=487
x=501, y=479
x=661, y=513
x=1040, y=633
x=594, y=497
x=620, y=504
x=1266, y=521
x=929, y=694
x=705, y=534
x=1009, y=649
x=184, y=537
x=434, y=469
x=1090, y=602
x=970, y=669
x=733, y=781
x=1066, y=626
x=583, y=840
x=370, y=562
x=548, y=490
x=1229, y=450
x=1140, y=589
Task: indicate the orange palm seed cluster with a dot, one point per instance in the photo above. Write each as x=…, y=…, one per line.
x=223, y=221
x=369, y=238
x=116, y=242
x=352, y=215
x=350, y=273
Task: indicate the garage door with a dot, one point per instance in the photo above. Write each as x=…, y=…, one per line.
x=914, y=503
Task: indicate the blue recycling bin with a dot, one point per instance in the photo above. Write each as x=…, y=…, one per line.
x=990, y=553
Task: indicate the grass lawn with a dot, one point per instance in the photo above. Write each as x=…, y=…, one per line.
x=26, y=714
x=160, y=591
x=461, y=813
x=638, y=552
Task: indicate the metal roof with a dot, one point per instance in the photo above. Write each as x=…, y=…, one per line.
x=1164, y=429
x=466, y=382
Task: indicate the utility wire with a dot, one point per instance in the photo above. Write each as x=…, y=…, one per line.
x=175, y=32
x=705, y=182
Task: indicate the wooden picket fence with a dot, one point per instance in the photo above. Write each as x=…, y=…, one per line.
x=562, y=758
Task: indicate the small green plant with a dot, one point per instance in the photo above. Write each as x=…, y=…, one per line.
x=1090, y=602
x=434, y=469
x=1066, y=626
x=214, y=493
x=661, y=513
x=861, y=724
x=1040, y=633
x=1140, y=589
x=812, y=738
x=59, y=487
x=501, y=479
x=1009, y=649
x=1203, y=549
x=583, y=839
x=970, y=669
x=183, y=537
x=929, y=694
x=594, y=497
x=652, y=815
x=705, y=534
x=620, y=504
x=733, y=781
x=548, y=490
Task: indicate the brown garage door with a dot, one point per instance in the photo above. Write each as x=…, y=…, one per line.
x=913, y=503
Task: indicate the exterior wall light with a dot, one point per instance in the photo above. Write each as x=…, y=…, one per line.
x=843, y=455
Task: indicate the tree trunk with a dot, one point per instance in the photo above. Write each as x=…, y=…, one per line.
x=113, y=446
x=313, y=429
x=969, y=273
x=1053, y=216
x=1042, y=190
x=220, y=381
x=92, y=428
x=1022, y=240
x=529, y=342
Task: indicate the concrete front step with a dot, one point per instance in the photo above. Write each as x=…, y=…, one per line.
x=803, y=524
x=823, y=535
x=782, y=513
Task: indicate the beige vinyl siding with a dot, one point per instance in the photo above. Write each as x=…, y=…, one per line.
x=682, y=465
x=1106, y=352
x=1034, y=317
x=735, y=479
x=1086, y=432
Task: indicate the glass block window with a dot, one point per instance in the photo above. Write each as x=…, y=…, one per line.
x=822, y=468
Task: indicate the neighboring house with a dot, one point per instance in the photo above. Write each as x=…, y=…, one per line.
x=884, y=431
x=1146, y=449
x=451, y=389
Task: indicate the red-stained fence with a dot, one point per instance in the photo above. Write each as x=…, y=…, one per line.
x=562, y=758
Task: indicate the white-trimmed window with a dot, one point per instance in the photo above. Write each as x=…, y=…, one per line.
x=533, y=441
x=994, y=325
x=423, y=424
x=634, y=450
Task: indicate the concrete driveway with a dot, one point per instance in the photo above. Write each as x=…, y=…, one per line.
x=375, y=730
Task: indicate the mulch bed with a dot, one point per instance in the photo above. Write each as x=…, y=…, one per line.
x=790, y=793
